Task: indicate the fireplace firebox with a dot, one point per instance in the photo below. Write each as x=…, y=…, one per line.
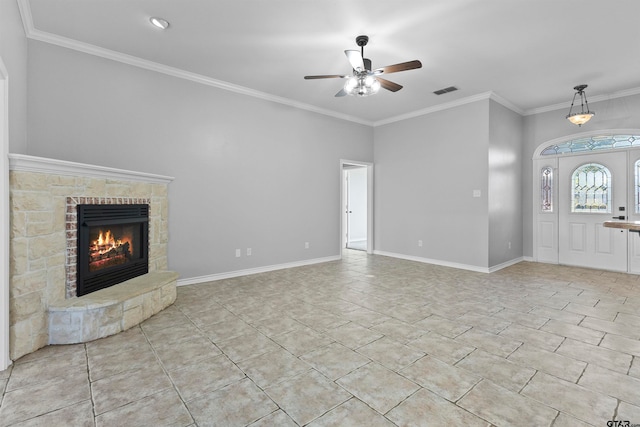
x=113, y=245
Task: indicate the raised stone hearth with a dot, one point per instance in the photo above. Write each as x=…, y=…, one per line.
x=111, y=310
x=43, y=308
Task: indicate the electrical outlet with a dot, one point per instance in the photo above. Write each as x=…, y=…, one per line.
x=306, y=245
x=420, y=243
x=248, y=251
x=238, y=253
x=509, y=245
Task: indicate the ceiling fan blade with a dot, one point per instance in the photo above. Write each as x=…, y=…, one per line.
x=403, y=66
x=341, y=93
x=325, y=76
x=393, y=87
x=355, y=59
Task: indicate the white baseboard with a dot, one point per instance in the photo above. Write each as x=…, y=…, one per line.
x=505, y=264
x=238, y=273
x=450, y=264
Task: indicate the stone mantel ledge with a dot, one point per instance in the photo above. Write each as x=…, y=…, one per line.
x=25, y=163
x=111, y=310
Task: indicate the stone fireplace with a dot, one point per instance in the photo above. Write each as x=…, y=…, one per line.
x=44, y=304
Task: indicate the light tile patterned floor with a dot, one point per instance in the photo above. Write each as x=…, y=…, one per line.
x=365, y=341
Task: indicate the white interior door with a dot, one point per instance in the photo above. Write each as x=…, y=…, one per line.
x=587, y=200
x=356, y=208
x=365, y=189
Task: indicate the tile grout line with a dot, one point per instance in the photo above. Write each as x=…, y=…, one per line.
x=615, y=411
x=91, y=397
x=553, y=422
x=153, y=350
x=584, y=370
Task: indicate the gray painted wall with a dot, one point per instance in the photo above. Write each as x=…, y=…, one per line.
x=505, y=182
x=240, y=161
x=249, y=173
x=618, y=113
x=13, y=51
x=426, y=169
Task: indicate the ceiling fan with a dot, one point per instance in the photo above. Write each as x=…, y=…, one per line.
x=364, y=81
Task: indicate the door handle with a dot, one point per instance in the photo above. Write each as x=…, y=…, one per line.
x=620, y=217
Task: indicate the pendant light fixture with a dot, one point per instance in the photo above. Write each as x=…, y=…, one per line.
x=583, y=116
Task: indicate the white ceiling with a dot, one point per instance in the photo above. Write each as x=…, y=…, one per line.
x=531, y=53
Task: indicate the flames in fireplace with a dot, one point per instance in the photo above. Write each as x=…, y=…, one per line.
x=113, y=244
x=109, y=250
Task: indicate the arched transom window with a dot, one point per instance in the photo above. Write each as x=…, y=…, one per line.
x=591, y=189
x=593, y=143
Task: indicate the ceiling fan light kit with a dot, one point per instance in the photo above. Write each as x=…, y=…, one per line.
x=583, y=116
x=364, y=81
x=362, y=85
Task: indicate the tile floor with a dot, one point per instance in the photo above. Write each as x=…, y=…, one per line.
x=366, y=341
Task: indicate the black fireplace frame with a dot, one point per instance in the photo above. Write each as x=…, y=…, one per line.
x=103, y=215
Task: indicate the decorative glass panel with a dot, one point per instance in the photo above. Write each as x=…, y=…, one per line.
x=637, y=186
x=591, y=189
x=546, y=189
x=594, y=143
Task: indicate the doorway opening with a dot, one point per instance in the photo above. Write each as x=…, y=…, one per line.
x=356, y=206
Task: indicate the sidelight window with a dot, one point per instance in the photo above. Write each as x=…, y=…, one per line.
x=546, y=189
x=636, y=188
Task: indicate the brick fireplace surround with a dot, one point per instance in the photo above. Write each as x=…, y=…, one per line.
x=43, y=305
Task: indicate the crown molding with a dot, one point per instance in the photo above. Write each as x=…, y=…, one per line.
x=27, y=17
x=43, y=36
x=435, y=108
x=506, y=103
x=24, y=163
x=32, y=33
x=593, y=99
x=453, y=104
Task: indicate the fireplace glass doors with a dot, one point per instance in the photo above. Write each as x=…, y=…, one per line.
x=113, y=245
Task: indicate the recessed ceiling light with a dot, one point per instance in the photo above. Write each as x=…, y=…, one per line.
x=163, y=24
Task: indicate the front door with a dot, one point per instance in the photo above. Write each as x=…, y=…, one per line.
x=633, y=211
x=592, y=190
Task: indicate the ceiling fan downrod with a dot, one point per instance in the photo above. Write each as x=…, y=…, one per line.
x=362, y=42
